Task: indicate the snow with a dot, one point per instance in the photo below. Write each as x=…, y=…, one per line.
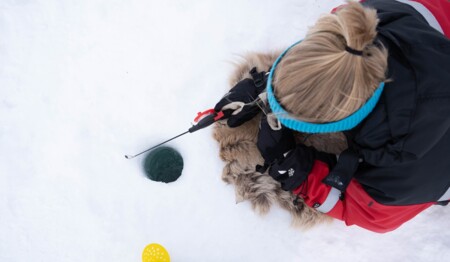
x=85, y=82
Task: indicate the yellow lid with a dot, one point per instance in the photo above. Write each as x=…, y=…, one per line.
x=155, y=253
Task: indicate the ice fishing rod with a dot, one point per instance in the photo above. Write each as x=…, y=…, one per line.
x=203, y=119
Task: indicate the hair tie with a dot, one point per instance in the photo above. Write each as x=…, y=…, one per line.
x=353, y=51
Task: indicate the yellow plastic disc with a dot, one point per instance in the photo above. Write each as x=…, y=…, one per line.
x=155, y=253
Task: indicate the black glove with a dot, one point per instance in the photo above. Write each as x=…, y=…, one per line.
x=294, y=168
x=289, y=163
x=272, y=144
x=245, y=91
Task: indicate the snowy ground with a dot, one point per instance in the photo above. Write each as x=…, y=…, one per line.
x=84, y=82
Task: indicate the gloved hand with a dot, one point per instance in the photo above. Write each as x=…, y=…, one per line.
x=292, y=170
x=235, y=104
x=272, y=144
x=288, y=163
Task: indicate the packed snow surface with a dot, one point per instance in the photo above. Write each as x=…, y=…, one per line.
x=85, y=82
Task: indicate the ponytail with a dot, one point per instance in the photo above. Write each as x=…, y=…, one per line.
x=335, y=69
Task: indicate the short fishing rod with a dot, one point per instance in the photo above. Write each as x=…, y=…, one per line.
x=203, y=119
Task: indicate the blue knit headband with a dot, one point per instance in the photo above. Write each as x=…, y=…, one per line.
x=291, y=122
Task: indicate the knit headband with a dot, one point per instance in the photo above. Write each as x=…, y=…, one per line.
x=292, y=122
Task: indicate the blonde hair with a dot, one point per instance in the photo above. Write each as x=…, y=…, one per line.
x=318, y=80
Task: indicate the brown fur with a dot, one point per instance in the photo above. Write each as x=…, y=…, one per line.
x=238, y=150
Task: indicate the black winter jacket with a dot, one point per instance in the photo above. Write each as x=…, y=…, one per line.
x=405, y=142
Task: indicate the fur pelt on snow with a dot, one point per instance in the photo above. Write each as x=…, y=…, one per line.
x=239, y=152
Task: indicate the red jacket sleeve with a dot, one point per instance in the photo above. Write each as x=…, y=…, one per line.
x=355, y=206
x=440, y=10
